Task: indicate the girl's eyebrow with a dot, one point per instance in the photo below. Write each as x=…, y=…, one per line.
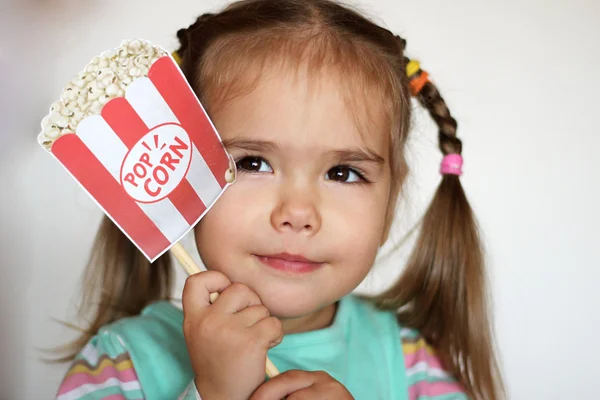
x=346, y=155
x=250, y=144
x=357, y=155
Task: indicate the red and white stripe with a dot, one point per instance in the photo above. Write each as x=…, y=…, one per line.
x=94, y=157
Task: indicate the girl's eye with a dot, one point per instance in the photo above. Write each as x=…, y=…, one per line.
x=253, y=164
x=344, y=174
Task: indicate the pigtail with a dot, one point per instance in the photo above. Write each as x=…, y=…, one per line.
x=118, y=282
x=442, y=291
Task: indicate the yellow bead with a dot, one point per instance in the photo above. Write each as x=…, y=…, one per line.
x=176, y=57
x=412, y=68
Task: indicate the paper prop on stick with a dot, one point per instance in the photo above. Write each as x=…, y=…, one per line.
x=132, y=132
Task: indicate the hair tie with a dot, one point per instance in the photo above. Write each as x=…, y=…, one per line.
x=416, y=76
x=417, y=82
x=176, y=57
x=452, y=165
x=412, y=68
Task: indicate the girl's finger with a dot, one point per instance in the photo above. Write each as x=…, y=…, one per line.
x=198, y=287
x=236, y=298
x=283, y=385
x=311, y=392
x=268, y=331
x=251, y=315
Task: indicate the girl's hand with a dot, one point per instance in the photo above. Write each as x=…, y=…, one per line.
x=297, y=385
x=228, y=340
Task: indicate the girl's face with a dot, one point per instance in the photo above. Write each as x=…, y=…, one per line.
x=303, y=222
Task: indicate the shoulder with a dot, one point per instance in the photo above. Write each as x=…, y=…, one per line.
x=155, y=327
x=426, y=375
x=110, y=362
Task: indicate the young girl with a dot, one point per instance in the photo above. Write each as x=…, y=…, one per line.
x=313, y=102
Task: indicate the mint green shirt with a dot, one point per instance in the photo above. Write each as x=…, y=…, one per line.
x=361, y=349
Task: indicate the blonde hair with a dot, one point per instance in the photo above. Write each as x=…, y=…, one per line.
x=442, y=290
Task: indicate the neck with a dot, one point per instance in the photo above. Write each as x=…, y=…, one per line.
x=318, y=320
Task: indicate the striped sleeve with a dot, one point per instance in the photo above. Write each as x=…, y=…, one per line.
x=104, y=370
x=427, y=379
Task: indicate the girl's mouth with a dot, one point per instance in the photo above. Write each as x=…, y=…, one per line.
x=289, y=262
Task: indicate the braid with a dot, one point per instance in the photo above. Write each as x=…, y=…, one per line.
x=185, y=53
x=183, y=34
x=431, y=99
x=401, y=43
x=428, y=95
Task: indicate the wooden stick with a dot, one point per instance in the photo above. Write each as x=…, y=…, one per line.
x=186, y=261
x=188, y=264
x=271, y=369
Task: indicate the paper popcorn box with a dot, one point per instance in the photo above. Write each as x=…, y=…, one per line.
x=140, y=143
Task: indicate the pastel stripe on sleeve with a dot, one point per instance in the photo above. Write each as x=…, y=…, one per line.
x=427, y=379
x=109, y=377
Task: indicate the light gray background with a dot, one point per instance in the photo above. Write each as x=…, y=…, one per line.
x=521, y=78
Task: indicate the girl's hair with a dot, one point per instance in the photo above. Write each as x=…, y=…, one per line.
x=442, y=290
x=119, y=282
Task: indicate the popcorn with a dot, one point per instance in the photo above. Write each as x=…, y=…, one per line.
x=104, y=78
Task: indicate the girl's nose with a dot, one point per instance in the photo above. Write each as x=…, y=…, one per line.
x=296, y=212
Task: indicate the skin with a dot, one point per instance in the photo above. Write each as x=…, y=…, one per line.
x=299, y=190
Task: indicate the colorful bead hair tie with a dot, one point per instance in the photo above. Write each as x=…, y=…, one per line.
x=452, y=165
x=417, y=77
x=412, y=68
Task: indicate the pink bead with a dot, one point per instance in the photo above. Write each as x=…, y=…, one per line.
x=452, y=165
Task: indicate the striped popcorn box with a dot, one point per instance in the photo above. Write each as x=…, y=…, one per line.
x=134, y=135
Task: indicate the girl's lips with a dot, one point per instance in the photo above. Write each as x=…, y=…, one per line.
x=290, y=263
